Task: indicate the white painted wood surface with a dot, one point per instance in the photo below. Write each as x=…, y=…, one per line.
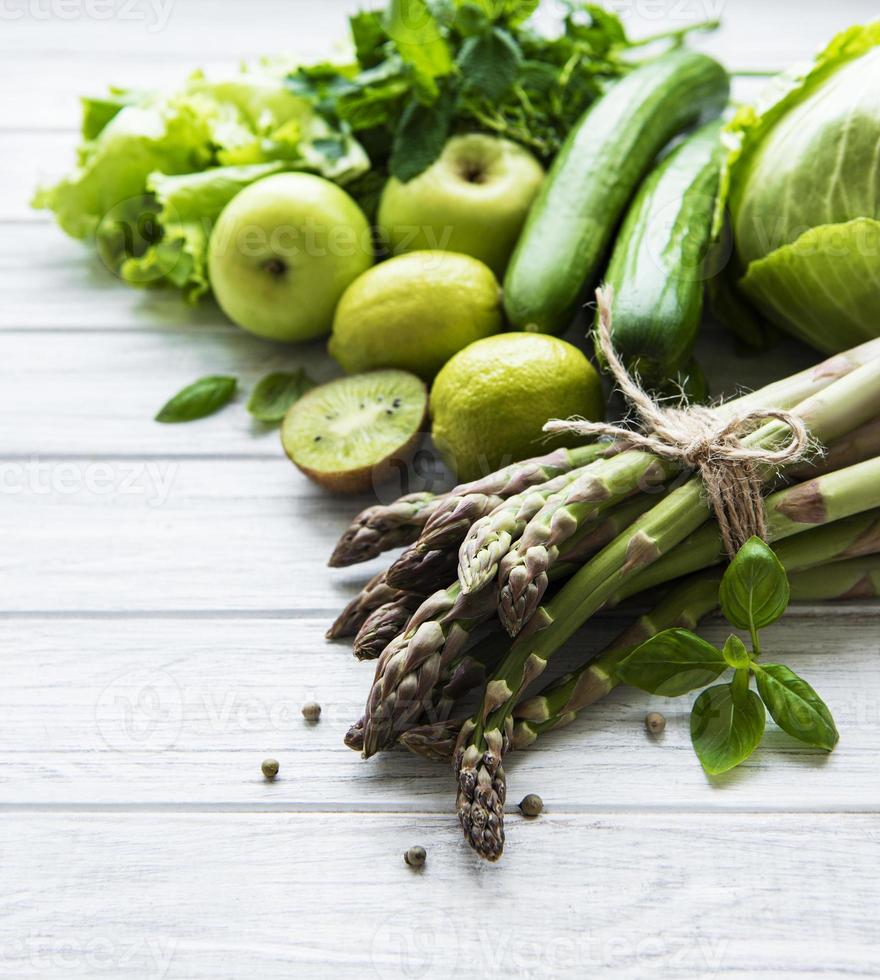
x=163, y=601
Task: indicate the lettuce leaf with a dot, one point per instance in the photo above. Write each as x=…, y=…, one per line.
x=155, y=169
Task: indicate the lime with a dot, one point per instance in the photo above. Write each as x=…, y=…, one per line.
x=414, y=312
x=490, y=401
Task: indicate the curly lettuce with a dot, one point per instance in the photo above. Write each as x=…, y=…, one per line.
x=802, y=186
x=155, y=169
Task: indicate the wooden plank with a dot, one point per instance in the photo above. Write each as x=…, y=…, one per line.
x=200, y=896
x=182, y=711
x=70, y=392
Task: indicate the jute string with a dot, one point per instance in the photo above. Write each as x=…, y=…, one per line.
x=699, y=439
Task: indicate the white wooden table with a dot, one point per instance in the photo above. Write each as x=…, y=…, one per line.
x=163, y=602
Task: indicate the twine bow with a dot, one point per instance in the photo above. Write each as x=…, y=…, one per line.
x=699, y=439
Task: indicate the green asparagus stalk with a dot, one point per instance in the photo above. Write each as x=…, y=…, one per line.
x=377, y=592
x=838, y=409
x=421, y=572
x=383, y=624
x=854, y=578
x=520, y=598
x=382, y=527
x=861, y=444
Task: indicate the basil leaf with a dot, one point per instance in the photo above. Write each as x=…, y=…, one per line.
x=726, y=729
x=795, y=706
x=275, y=393
x=754, y=590
x=201, y=398
x=489, y=63
x=671, y=663
x=735, y=653
x=420, y=137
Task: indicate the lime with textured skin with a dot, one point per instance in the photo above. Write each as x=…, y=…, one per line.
x=490, y=402
x=348, y=434
x=414, y=312
x=474, y=200
x=282, y=253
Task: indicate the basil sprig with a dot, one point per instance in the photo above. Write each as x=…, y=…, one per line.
x=274, y=394
x=727, y=720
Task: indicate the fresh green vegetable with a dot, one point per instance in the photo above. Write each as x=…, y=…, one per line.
x=156, y=168
x=603, y=160
x=275, y=393
x=198, y=400
x=657, y=269
x=800, y=182
x=727, y=721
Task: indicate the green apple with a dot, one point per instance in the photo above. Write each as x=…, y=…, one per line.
x=474, y=200
x=283, y=252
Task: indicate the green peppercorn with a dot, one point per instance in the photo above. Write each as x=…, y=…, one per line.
x=270, y=768
x=415, y=857
x=655, y=722
x=531, y=805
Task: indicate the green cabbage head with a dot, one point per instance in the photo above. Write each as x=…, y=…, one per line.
x=802, y=185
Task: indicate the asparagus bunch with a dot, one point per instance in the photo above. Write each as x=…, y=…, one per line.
x=605, y=539
x=844, y=405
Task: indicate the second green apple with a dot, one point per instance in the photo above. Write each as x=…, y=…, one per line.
x=473, y=200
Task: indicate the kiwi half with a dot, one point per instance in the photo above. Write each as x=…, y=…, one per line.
x=347, y=434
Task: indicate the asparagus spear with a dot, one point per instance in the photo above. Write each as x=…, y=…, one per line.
x=381, y=527
x=377, y=592
x=421, y=572
x=843, y=406
x=383, y=624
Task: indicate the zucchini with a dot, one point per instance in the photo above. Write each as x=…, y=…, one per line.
x=658, y=267
x=598, y=168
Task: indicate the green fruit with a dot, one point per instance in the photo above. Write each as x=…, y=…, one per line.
x=414, y=312
x=490, y=402
x=282, y=253
x=474, y=200
x=350, y=434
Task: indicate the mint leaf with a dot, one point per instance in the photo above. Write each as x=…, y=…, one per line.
x=275, y=393
x=754, y=590
x=795, y=706
x=489, y=63
x=471, y=19
x=735, y=653
x=201, y=398
x=726, y=729
x=672, y=663
x=420, y=137
x=419, y=40
x=368, y=34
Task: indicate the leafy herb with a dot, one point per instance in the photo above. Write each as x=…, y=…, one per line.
x=426, y=69
x=726, y=729
x=727, y=721
x=198, y=400
x=274, y=394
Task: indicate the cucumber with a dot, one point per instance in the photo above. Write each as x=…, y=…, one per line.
x=598, y=168
x=658, y=267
